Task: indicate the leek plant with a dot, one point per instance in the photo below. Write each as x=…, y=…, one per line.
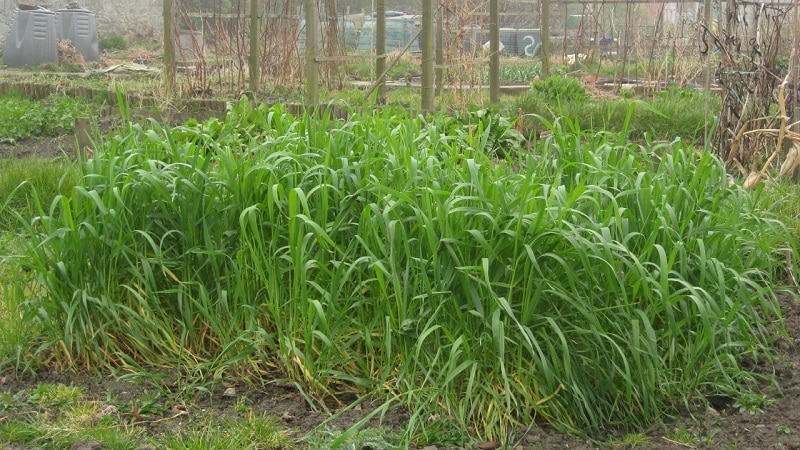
x=589, y=283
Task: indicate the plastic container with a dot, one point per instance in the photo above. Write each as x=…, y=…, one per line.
x=31, y=38
x=79, y=27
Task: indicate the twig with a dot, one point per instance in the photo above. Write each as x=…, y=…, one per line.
x=163, y=419
x=678, y=443
x=789, y=268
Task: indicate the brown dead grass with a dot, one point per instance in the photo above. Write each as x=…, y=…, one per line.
x=68, y=54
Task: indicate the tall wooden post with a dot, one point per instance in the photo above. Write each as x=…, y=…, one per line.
x=546, y=37
x=169, y=47
x=439, y=72
x=380, y=47
x=795, y=61
x=255, y=54
x=494, y=52
x=427, y=56
x=312, y=66
x=707, y=75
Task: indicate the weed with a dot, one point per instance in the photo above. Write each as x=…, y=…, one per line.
x=632, y=440
x=753, y=403
x=256, y=432
x=9, y=400
x=373, y=438
x=54, y=395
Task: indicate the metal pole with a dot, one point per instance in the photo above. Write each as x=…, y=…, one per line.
x=169, y=47
x=546, y=38
x=427, y=56
x=494, y=50
x=312, y=67
x=255, y=55
x=380, y=47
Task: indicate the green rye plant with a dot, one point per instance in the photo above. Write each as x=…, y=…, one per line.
x=589, y=282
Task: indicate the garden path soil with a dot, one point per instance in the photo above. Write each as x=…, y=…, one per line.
x=777, y=427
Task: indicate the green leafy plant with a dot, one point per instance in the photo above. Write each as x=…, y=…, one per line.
x=21, y=118
x=753, y=403
x=9, y=400
x=486, y=131
x=557, y=89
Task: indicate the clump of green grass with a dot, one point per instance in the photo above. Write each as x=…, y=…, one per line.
x=26, y=182
x=591, y=282
x=68, y=416
x=254, y=432
x=374, y=438
x=113, y=42
x=674, y=113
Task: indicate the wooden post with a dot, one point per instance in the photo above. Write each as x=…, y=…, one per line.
x=707, y=74
x=255, y=54
x=169, y=47
x=794, y=61
x=380, y=48
x=494, y=52
x=83, y=139
x=439, y=72
x=545, y=35
x=427, y=56
x=312, y=66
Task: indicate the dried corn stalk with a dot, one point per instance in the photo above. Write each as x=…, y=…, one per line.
x=791, y=166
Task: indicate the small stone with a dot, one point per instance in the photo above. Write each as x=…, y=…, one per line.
x=109, y=410
x=711, y=412
x=91, y=445
x=230, y=392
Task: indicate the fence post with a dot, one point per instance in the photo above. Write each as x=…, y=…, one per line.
x=794, y=61
x=494, y=52
x=312, y=67
x=427, y=56
x=380, y=48
x=545, y=35
x=439, y=72
x=169, y=47
x=255, y=54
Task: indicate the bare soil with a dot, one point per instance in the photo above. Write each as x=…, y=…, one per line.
x=721, y=425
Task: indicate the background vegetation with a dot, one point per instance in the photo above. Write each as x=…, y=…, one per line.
x=23, y=118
